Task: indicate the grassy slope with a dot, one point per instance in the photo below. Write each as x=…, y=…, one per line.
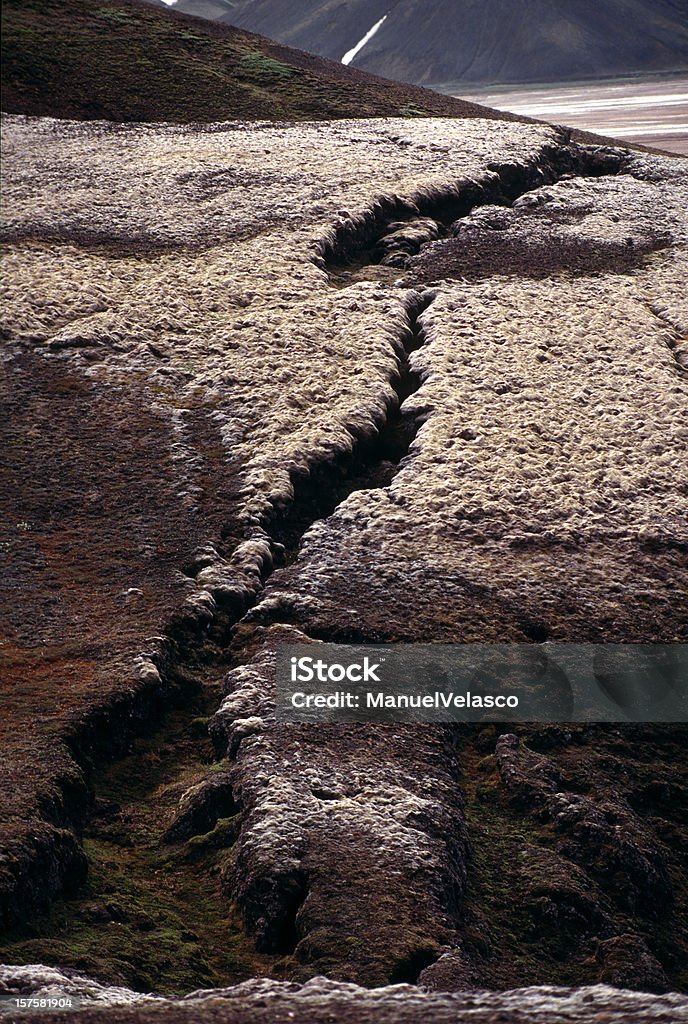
x=128, y=61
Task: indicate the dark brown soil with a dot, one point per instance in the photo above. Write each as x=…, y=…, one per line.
x=487, y=253
x=98, y=521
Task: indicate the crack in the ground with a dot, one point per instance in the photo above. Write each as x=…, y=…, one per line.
x=198, y=645
x=378, y=243
x=370, y=463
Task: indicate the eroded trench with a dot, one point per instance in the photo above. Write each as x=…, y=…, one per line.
x=153, y=913
x=383, y=243
x=370, y=463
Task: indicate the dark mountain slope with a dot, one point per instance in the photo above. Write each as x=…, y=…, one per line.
x=129, y=61
x=330, y=26
x=483, y=41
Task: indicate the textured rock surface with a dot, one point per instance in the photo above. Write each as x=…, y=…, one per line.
x=352, y=855
x=177, y=337
x=321, y=1001
x=148, y=366
x=604, y=835
x=541, y=500
x=556, y=488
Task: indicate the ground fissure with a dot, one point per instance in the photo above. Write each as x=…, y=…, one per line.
x=175, y=756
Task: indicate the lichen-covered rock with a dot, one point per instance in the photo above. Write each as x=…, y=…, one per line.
x=201, y=806
x=171, y=341
x=625, y=959
x=352, y=852
x=531, y=778
x=451, y=972
x=321, y=1001
x=605, y=834
x=405, y=239
x=610, y=840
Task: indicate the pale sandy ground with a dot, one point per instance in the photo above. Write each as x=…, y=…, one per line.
x=653, y=113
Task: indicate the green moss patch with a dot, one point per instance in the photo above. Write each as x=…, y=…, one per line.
x=152, y=915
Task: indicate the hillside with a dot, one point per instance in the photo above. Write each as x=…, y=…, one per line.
x=129, y=61
x=497, y=41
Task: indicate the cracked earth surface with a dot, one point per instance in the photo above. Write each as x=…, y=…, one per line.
x=222, y=322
